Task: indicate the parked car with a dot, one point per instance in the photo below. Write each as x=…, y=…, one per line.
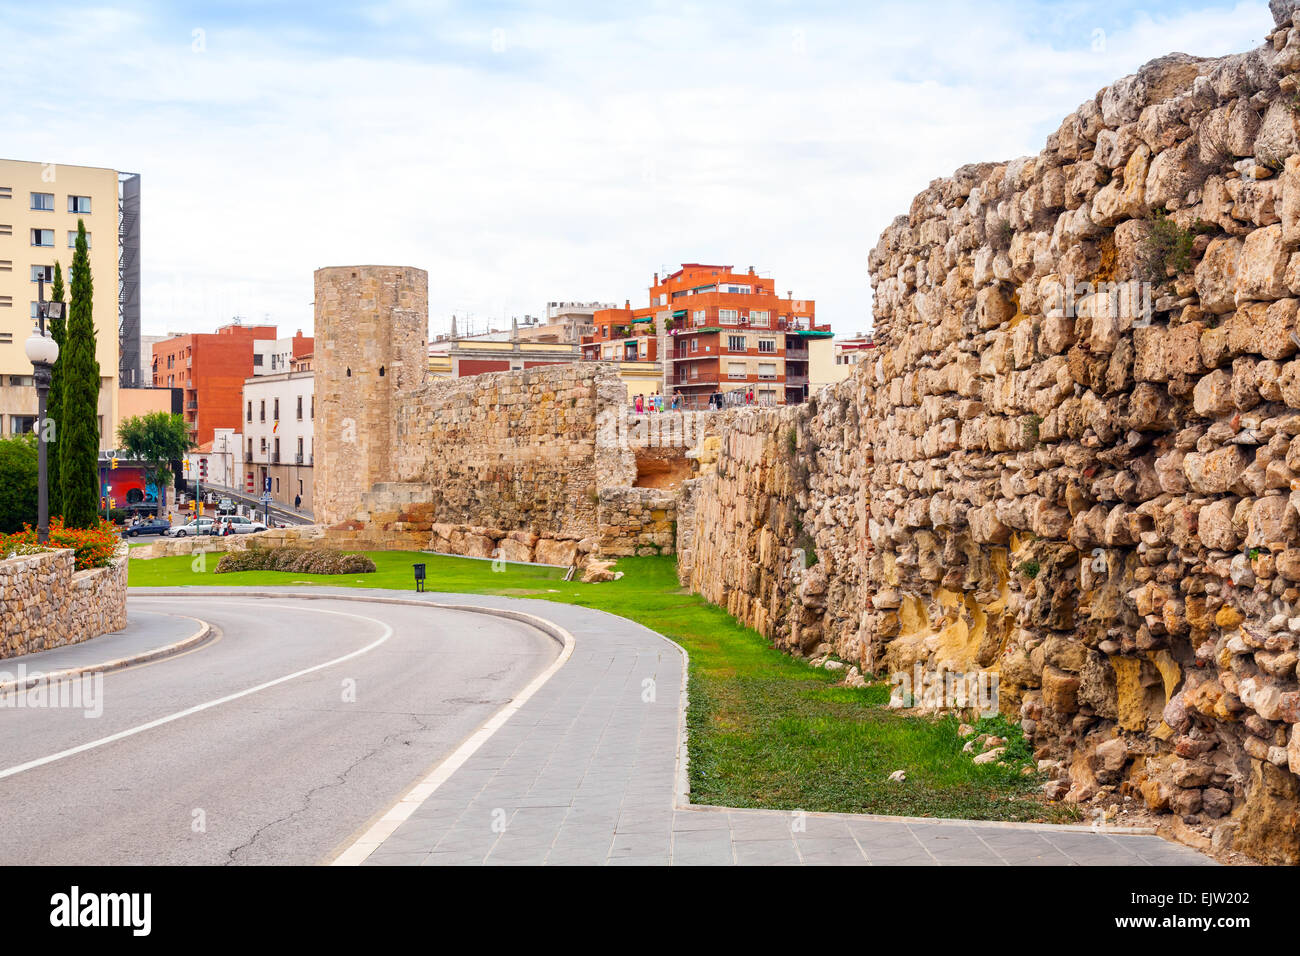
x=239, y=524
x=199, y=526
x=147, y=526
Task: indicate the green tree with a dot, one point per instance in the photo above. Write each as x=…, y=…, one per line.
x=155, y=439
x=79, y=430
x=17, y=482
x=54, y=404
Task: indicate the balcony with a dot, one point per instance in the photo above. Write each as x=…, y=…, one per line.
x=796, y=355
x=799, y=380
x=297, y=458
x=275, y=458
x=192, y=405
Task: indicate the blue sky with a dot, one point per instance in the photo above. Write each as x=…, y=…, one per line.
x=524, y=152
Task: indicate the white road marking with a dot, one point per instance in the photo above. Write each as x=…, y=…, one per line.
x=357, y=852
x=141, y=728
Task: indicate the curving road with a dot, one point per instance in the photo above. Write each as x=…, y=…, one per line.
x=276, y=742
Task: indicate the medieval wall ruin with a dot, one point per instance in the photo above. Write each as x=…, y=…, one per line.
x=1074, y=460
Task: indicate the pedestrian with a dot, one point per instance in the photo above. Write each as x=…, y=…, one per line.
x=677, y=401
x=749, y=396
x=640, y=404
x=297, y=502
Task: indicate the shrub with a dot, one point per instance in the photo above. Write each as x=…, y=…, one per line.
x=94, y=547
x=295, y=560
x=1030, y=568
x=1169, y=246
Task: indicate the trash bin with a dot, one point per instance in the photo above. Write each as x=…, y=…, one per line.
x=419, y=577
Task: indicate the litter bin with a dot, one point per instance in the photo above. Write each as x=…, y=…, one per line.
x=419, y=577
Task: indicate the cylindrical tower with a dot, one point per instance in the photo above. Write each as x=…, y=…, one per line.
x=371, y=334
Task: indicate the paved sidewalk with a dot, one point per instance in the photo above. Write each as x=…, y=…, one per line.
x=587, y=772
x=148, y=633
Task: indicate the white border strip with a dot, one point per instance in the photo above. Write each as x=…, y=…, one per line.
x=369, y=841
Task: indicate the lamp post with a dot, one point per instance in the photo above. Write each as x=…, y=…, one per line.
x=42, y=352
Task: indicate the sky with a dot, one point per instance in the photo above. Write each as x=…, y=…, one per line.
x=527, y=152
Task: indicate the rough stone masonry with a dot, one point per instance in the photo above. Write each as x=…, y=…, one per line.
x=1087, y=440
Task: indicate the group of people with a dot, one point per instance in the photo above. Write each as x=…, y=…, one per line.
x=654, y=403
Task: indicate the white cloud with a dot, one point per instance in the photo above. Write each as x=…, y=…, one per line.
x=571, y=164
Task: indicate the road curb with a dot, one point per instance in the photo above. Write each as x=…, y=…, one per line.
x=116, y=664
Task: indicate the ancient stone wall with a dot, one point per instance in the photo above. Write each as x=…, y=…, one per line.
x=1088, y=451
x=1075, y=458
x=46, y=603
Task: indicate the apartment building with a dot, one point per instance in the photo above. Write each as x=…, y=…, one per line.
x=212, y=368
x=40, y=204
x=279, y=411
x=718, y=332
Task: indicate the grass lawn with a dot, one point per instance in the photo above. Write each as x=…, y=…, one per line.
x=766, y=729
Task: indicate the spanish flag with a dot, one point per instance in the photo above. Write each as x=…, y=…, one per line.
x=276, y=427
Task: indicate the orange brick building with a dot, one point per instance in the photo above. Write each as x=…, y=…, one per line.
x=211, y=368
x=728, y=334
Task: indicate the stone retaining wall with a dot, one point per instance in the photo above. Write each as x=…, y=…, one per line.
x=45, y=602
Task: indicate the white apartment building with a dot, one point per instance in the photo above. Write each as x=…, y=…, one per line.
x=276, y=442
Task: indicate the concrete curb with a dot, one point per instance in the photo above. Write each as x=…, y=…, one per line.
x=116, y=664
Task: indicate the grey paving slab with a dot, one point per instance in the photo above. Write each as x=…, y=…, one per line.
x=586, y=772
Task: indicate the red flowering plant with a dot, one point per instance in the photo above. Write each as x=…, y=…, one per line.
x=94, y=547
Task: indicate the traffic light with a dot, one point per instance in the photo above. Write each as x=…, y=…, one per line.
x=112, y=464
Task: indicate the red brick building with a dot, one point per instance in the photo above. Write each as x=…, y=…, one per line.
x=211, y=367
x=727, y=332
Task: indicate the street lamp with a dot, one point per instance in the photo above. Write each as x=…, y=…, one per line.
x=42, y=352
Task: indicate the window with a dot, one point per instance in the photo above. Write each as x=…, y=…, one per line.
x=43, y=201
x=701, y=316
x=21, y=381
x=313, y=406
x=21, y=424
x=277, y=481
x=261, y=411
x=276, y=415
x=300, y=449
x=43, y=272
x=263, y=444
x=250, y=449
x=761, y=319
x=250, y=412
x=737, y=289
x=6, y=265
x=735, y=343
x=767, y=345
x=6, y=192
x=43, y=237
x=72, y=239
x=299, y=486
x=735, y=370
x=695, y=345
x=767, y=370
x=728, y=315
x=7, y=301
x=79, y=204
x=257, y=359
x=663, y=298
x=300, y=415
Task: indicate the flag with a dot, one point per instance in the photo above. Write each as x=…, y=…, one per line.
x=276, y=427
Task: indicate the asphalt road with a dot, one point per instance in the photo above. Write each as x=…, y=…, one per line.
x=285, y=773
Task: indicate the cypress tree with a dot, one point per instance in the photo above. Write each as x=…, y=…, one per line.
x=79, y=431
x=54, y=403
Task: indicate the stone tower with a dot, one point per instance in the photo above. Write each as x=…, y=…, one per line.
x=371, y=333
